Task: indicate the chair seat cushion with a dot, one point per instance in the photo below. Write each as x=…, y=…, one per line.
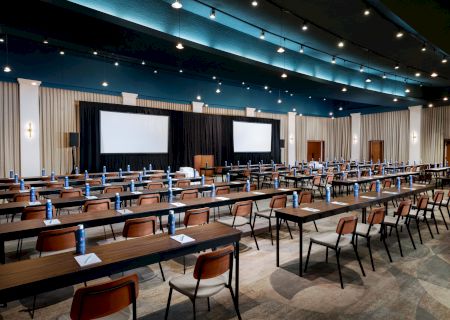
x=266, y=214
x=208, y=287
x=239, y=221
x=329, y=239
x=420, y=216
x=363, y=228
x=392, y=221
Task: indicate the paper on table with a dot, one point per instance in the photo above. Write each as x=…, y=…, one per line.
x=35, y=203
x=257, y=192
x=178, y=204
x=177, y=189
x=91, y=197
x=181, y=238
x=67, y=188
x=52, y=222
x=222, y=198
x=284, y=189
x=368, y=197
x=235, y=182
x=124, y=211
x=207, y=185
x=87, y=259
x=390, y=192
x=23, y=191
x=107, y=184
x=310, y=209
x=136, y=192
x=339, y=203
x=409, y=188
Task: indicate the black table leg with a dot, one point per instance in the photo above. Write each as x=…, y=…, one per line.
x=236, y=285
x=278, y=241
x=300, y=260
x=2, y=252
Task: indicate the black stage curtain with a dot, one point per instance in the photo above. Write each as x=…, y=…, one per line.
x=189, y=134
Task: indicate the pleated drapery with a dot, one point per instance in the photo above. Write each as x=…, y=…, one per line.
x=435, y=129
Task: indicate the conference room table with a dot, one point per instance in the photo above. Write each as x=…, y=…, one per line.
x=31, y=228
x=34, y=276
x=18, y=206
x=438, y=171
x=309, y=212
x=263, y=174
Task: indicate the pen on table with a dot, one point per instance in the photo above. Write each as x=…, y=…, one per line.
x=87, y=259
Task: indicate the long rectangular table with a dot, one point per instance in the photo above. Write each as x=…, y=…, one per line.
x=31, y=277
x=300, y=215
x=31, y=228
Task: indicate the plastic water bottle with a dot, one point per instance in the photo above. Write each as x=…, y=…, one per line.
x=295, y=172
x=213, y=190
x=328, y=194
x=52, y=176
x=132, y=186
x=226, y=164
x=87, y=190
x=168, y=174
x=22, y=185
x=140, y=176
x=128, y=168
x=238, y=163
x=356, y=190
x=168, y=169
x=117, y=202
x=120, y=172
x=86, y=175
x=250, y=162
x=247, y=186
x=371, y=162
x=145, y=171
x=103, y=179
x=348, y=167
x=77, y=170
x=338, y=168
x=382, y=171
x=66, y=182
x=195, y=173
x=16, y=178
x=359, y=174
x=43, y=172
x=398, y=182
x=370, y=172
x=150, y=167
x=171, y=223
x=378, y=186
x=295, y=199
x=203, y=180
x=228, y=177
x=275, y=183
x=32, y=194
x=411, y=181
x=48, y=210
x=248, y=165
x=104, y=169
x=170, y=196
x=80, y=236
x=11, y=174
x=169, y=182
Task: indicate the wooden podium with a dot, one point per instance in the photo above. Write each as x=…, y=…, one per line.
x=200, y=161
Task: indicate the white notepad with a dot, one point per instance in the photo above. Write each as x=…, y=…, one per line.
x=35, y=203
x=182, y=238
x=368, y=197
x=106, y=184
x=178, y=204
x=340, y=203
x=24, y=191
x=409, y=188
x=284, y=189
x=177, y=189
x=67, y=188
x=257, y=192
x=136, y=192
x=390, y=192
x=222, y=198
x=52, y=222
x=207, y=185
x=310, y=209
x=91, y=197
x=124, y=211
x=87, y=259
x=235, y=182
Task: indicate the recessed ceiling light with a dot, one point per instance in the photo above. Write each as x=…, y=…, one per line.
x=259, y=110
x=212, y=15
x=206, y=105
x=199, y=97
x=243, y=83
x=266, y=87
x=179, y=46
x=286, y=91
x=219, y=83
x=61, y=52
x=444, y=59
x=341, y=44
x=368, y=80
x=284, y=75
x=214, y=77
x=291, y=94
x=310, y=97
x=395, y=99
x=384, y=76
x=95, y=53
x=218, y=90
x=344, y=89
x=105, y=84
x=279, y=101
x=248, y=88
x=417, y=74
x=399, y=34
x=180, y=71
x=424, y=48
x=155, y=71
x=331, y=113
x=280, y=50
x=397, y=66
x=407, y=90
x=340, y=108
x=293, y=109
x=434, y=74
x=333, y=60
x=270, y=91
x=305, y=26
x=324, y=99
x=2, y=39
x=116, y=63
x=301, y=49
x=7, y=69
x=143, y=62
x=262, y=35
x=300, y=115
x=430, y=105
x=367, y=12
x=45, y=41
x=177, y=4
x=254, y=3
x=445, y=98
x=361, y=69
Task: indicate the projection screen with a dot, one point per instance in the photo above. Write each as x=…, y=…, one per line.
x=252, y=137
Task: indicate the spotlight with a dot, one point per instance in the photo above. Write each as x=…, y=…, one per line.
x=367, y=12
x=259, y=110
x=199, y=97
x=155, y=71
x=310, y=97
x=280, y=50
x=45, y=41
x=105, y=84
x=180, y=71
x=218, y=90
x=291, y=94
x=179, y=46
x=294, y=110
x=95, y=53
x=444, y=59
x=331, y=113
x=279, y=101
x=361, y=68
x=397, y=66
x=368, y=80
x=116, y=63
x=2, y=39
x=143, y=62
x=341, y=44
x=284, y=75
x=7, y=69
x=430, y=105
x=254, y=3
x=434, y=74
x=248, y=88
x=417, y=74
x=262, y=35
x=384, y=76
x=324, y=99
x=333, y=60
x=177, y=4
x=407, y=90
x=206, y=105
x=300, y=115
x=344, y=89
x=266, y=87
x=212, y=15
x=340, y=108
x=301, y=49
x=243, y=83
x=219, y=83
x=395, y=99
x=305, y=26
x=214, y=77
x=61, y=52
x=445, y=98
x=399, y=34
x=424, y=48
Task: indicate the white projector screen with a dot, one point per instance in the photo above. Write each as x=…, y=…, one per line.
x=122, y=132
x=252, y=137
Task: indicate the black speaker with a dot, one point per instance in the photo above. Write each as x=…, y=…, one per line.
x=73, y=139
x=281, y=143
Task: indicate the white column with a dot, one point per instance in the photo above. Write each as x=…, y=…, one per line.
x=30, y=140
x=197, y=106
x=356, y=136
x=250, y=112
x=290, y=141
x=129, y=98
x=415, y=119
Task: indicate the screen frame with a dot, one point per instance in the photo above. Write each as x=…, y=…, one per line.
x=257, y=123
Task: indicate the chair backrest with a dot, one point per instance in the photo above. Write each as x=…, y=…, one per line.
x=189, y=194
x=183, y=183
x=376, y=215
x=179, y=175
x=209, y=180
x=110, y=174
x=148, y=199
x=213, y=264
x=275, y=175
x=330, y=178
x=438, y=197
x=155, y=185
x=23, y=197
x=55, y=240
x=96, y=205
x=104, y=299
x=307, y=171
x=247, y=173
x=54, y=185
x=305, y=197
x=422, y=203
x=71, y=193
x=15, y=187
x=196, y=217
x=36, y=213
x=252, y=187
x=316, y=180
x=223, y=190
x=129, y=178
x=404, y=207
x=95, y=182
x=347, y=225
x=113, y=189
x=373, y=186
x=278, y=201
x=139, y=227
x=242, y=208
x=387, y=183
x=157, y=176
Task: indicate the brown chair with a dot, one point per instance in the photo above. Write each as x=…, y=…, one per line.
x=253, y=187
x=155, y=185
x=277, y=202
x=208, y=279
x=147, y=199
x=241, y=214
x=344, y=236
x=437, y=203
x=179, y=175
x=209, y=180
x=189, y=194
x=373, y=186
x=375, y=225
x=54, y=185
x=195, y=217
x=95, y=182
x=223, y=190
x=157, y=176
x=113, y=189
x=270, y=180
x=183, y=184
x=400, y=218
x=420, y=214
x=16, y=187
x=99, y=205
x=24, y=197
x=141, y=227
x=71, y=193
x=307, y=197
x=316, y=185
x=105, y=299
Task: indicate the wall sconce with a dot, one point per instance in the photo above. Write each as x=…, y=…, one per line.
x=355, y=139
x=29, y=130
x=291, y=139
x=414, y=137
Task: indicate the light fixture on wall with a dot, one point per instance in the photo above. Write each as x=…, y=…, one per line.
x=414, y=137
x=29, y=130
x=355, y=139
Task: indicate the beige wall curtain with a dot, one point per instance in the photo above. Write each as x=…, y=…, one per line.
x=392, y=128
x=224, y=111
x=435, y=129
x=177, y=106
x=335, y=132
x=9, y=128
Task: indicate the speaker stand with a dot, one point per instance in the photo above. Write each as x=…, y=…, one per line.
x=73, y=159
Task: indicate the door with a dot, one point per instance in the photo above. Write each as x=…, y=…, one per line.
x=315, y=150
x=376, y=150
x=447, y=150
